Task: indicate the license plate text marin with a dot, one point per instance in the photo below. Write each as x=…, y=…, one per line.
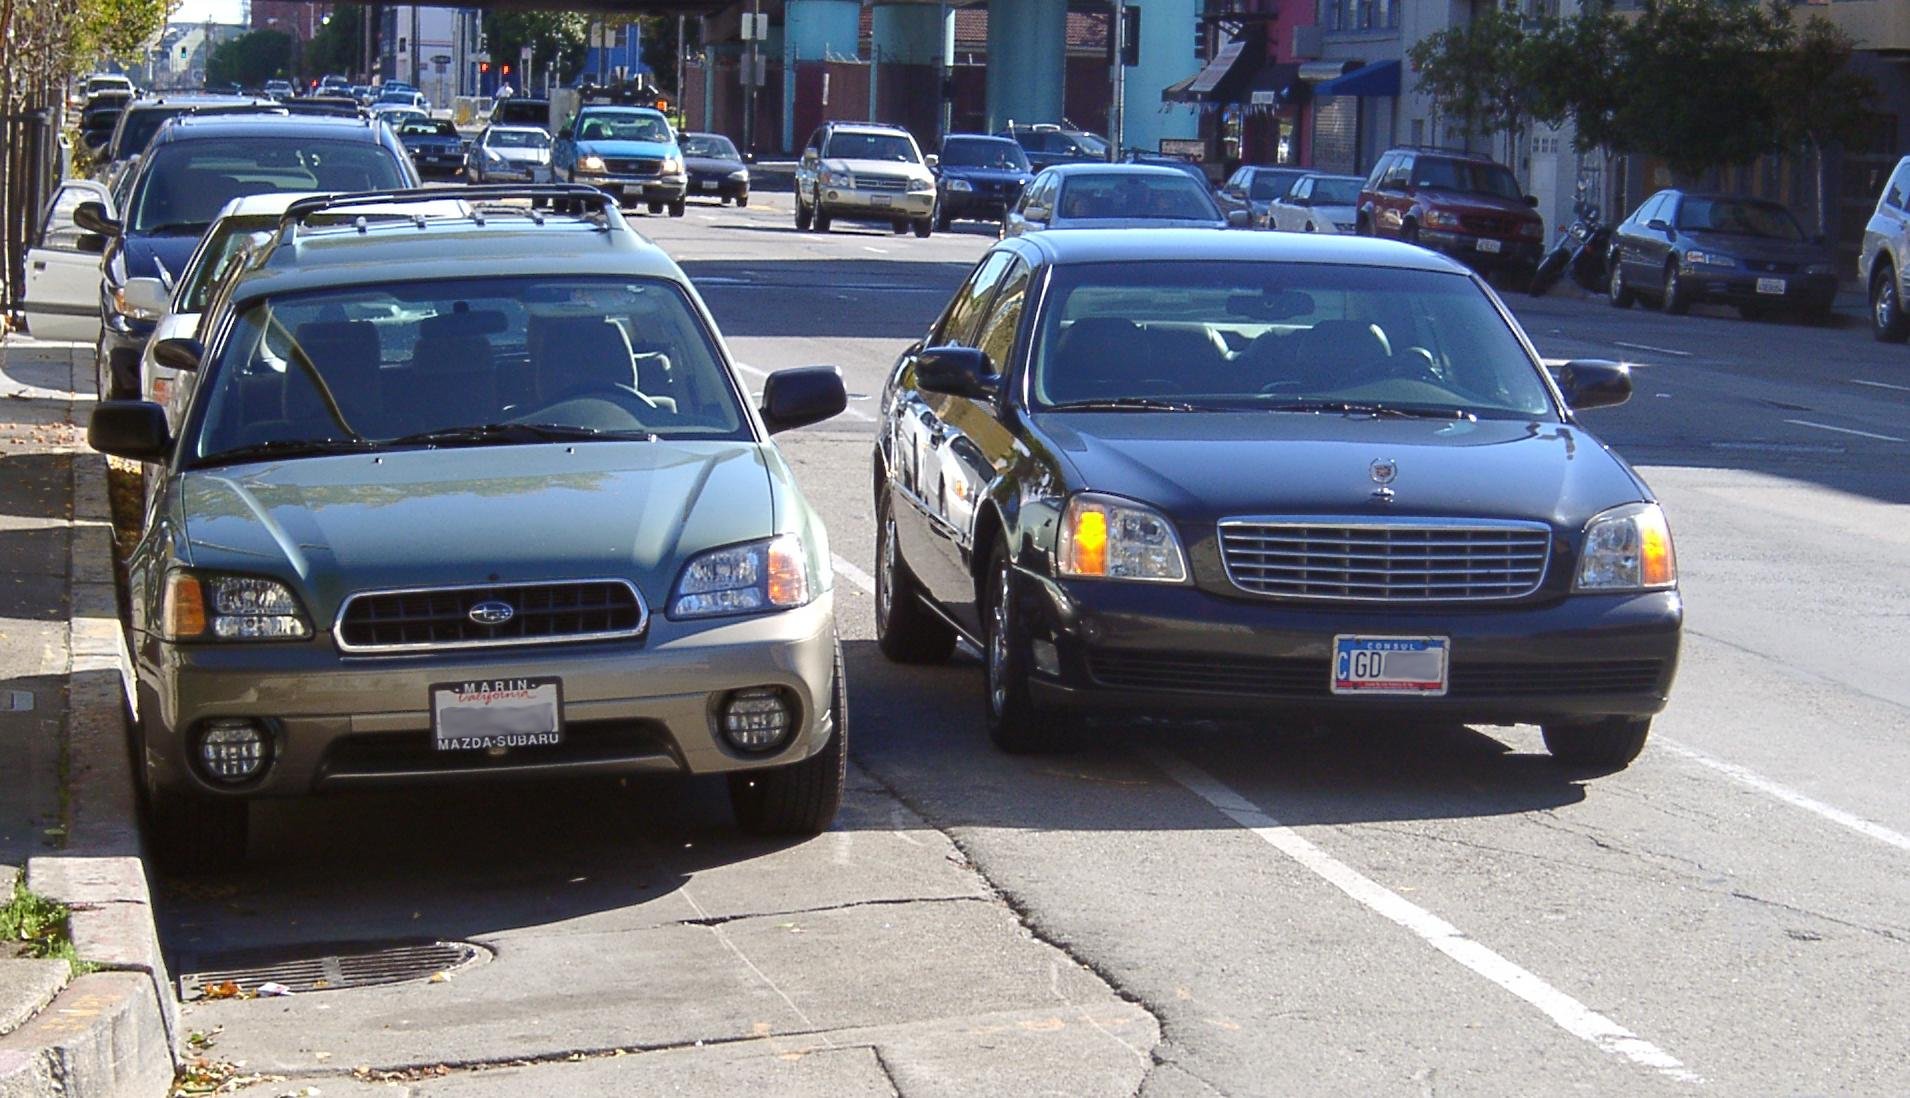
x=481, y=714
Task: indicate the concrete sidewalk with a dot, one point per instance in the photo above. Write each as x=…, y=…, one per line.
x=67, y=811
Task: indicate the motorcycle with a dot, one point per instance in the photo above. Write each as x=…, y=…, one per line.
x=1583, y=250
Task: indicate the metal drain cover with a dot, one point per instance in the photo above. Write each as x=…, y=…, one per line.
x=346, y=968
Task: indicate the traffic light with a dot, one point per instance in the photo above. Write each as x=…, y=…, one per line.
x=1130, y=35
x=505, y=69
x=484, y=66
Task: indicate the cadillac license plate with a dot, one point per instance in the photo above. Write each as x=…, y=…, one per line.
x=1389, y=665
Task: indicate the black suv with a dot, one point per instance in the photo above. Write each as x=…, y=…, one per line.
x=192, y=168
x=1048, y=144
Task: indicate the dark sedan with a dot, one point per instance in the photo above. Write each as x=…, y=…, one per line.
x=435, y=147
x=1267, y=476
x=978, y=177
x=715, y=169
x=1681, y=249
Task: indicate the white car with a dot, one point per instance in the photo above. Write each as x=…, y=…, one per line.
x=508, y=154
x=63, y=268
x=1317, y=204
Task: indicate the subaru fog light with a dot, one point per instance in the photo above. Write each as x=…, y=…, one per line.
x=233, y=749
x=757, y=719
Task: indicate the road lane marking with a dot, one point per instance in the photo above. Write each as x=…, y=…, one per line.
x=876, y=250
x=1881, y=385
x=854, y=575
x=1568, y=1013
x=1649, y=347
x=1845, y=430
x=1751, y=779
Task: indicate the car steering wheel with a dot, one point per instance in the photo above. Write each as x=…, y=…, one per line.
x=605, y=407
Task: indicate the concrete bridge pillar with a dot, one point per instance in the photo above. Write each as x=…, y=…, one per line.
x=914, y=34
x=1027, y=61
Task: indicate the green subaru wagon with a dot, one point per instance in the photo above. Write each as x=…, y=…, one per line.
x=473, y=497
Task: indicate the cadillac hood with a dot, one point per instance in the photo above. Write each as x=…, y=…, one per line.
x=1199, y=466
x=430, y=518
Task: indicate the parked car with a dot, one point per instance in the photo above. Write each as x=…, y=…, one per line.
x=1265, y=476
x=1192, y=169
x=1106, y=196
x=280, y=89
x=1047, y=144
x=1317, y=203
x=505, y=154
x=61, y=298
x=436, y=147
x=1253, y=187
x=1460, y=203
x=1883, y=263
x=673, y=615
x=628, y=151
x=142, y=118
x=98, y=118
x=716, y=170
x=866, y=171
x=518, y=110
x=1682, y=248
x=192, y=168
x=978, y=177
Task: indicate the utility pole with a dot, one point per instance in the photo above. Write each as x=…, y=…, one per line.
x=749, y=76
x=679, y=64
x=1117, y=108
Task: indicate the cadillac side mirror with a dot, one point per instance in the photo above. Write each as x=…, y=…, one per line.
x=799, y=397
x=1239, y=219
x=131, y=429
x=91, y=216
x=1594, y=383
x=956, y=371
x=179, y=353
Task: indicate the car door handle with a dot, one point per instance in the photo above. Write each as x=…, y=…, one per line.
x=39, y=264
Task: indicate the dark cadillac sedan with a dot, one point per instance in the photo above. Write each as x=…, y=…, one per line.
x=1162, y=470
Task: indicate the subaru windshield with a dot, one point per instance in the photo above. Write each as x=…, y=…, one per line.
x=1287, y=337
x=482, y=361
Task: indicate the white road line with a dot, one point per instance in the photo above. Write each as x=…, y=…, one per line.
x=876, y=250
x=1568, y=1013
x=1845, y=430
x=1649, y=347
x=854, y=575
x=1751, y=779
x=1880, y=385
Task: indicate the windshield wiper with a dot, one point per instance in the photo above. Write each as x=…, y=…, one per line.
x=1366, y=408
x=504, y=434
x=176, y=228
x=1122, y=404
x=295, y=447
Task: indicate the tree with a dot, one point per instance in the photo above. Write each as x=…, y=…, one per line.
x=1478, y=71
x=1816, y=100
x=251, y=59
x=338, y=47
x=556, y=39
x=1692, y=91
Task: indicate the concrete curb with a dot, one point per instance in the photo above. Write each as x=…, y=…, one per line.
x=110, y=1033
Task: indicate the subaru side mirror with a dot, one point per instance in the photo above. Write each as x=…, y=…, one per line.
x=799, y=397
x=132, y=429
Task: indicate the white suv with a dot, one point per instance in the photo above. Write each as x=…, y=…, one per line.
x=1884, y=263
x=866, y=171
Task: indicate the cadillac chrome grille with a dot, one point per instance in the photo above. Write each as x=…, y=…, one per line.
x=1411, y=561
x=428, y=619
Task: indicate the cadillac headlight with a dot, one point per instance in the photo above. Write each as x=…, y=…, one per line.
x=1628, y=549
x=1106, y=537
x=959, y=185
x=228, y=608
x=592, y=163
x=744, y=579
x=1709, y=259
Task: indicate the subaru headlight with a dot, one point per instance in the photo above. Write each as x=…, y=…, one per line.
x=744, y=579
x=959, y=185
x=1440, y=219
x=1106, y=537
x=591, y=163
x=200, y=606
x=1695, y=258
x=1628, y=549
x=921, y=186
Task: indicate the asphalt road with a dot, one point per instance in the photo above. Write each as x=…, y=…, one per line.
x=1191, y=910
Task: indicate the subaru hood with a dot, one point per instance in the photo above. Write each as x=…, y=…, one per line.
x=431, y=518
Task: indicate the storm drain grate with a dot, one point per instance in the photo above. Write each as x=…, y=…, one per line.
x=335, y=971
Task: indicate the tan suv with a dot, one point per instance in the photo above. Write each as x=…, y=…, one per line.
x=866, y=171
x=1886, y=256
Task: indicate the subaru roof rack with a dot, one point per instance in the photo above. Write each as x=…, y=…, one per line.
x=564, y=197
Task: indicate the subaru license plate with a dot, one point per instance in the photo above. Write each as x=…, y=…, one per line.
x=1389, y=665
x=483, y=714
x=1770, y=286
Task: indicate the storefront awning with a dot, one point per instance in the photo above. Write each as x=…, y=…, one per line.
x=1377, y=80
x=1276, y=85
x=1215, y=83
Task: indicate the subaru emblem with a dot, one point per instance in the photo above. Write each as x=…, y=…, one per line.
x=492, y=612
